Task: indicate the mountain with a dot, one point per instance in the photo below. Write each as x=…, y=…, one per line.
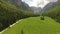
x=36, y=10
x=9, y=14
x=53, y=10
x=25, y=6
x=54, y=13
x=49, y=6
x=15, y=2
x=19, y=4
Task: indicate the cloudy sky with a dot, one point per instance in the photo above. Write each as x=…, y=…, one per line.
x=38, y=3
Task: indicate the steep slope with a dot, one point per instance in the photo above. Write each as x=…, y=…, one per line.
x=15, y=2
x=54, y=13
x=58, y=2
x=9, y=14
x=19, y=4
x=49, y=6
x=34, y=25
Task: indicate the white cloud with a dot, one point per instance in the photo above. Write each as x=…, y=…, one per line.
x=52, y=0
x=38, y=3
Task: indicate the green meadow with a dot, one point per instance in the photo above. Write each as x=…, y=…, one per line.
x=34, y=25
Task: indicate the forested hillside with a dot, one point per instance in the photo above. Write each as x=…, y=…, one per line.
x=9, y=14
x=54, y=13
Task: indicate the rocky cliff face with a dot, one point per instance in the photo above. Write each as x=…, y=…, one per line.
x=15, y=2
x=19, y=4
x=36, y=10
x=49, y=6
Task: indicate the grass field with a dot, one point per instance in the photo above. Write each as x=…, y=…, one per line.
x=34, y=25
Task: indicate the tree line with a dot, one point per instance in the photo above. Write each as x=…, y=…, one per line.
x=9, y=14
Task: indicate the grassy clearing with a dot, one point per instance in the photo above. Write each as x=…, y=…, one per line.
x=34, y=25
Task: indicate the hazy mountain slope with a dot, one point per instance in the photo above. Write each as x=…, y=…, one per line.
x=19, y=4
x=36, y=10
x=49, y=6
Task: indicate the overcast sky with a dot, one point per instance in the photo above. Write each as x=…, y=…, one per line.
x=38, y=3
